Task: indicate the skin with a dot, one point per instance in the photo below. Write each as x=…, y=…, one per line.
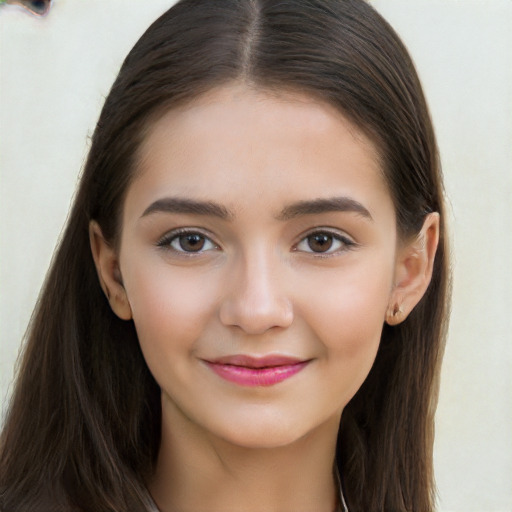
x=257, y=287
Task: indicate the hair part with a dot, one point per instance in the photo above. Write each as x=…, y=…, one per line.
x=83, y=425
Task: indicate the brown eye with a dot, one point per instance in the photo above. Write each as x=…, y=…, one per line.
x=324, y=242
x=187, y=242
x=191, y=242
x=320, y=242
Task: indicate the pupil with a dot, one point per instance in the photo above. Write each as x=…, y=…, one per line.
x=191, y=243
x=320, y=242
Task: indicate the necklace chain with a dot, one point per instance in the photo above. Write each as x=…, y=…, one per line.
x=341, y=497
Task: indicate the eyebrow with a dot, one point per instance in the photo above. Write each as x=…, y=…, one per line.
x=188, y=206
x=316, y=206
x=293, y=210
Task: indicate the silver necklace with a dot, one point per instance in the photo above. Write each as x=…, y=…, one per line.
x=342, y=502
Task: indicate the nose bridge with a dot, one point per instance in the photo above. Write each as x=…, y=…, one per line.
x=256, y=298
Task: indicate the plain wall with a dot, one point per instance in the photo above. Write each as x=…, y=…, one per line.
x=55, y=73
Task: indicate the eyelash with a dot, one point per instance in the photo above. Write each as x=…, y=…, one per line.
x=169, y=239
x=345, y=243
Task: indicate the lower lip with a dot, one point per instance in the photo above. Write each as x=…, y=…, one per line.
x=253, y=377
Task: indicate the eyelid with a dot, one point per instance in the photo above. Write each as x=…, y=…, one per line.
x=347, y=241
x=164, y=241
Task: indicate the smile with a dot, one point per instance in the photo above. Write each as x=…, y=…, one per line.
x=251, y=371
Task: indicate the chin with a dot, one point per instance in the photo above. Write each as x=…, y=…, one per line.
x=271, y=431
x=262, y=438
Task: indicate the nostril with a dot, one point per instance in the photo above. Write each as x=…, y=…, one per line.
x=256, y=296
x=256, y=318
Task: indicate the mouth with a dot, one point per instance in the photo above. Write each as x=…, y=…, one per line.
x=256, y=371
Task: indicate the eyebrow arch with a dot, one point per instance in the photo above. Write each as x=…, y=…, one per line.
x=188, y=206
x=316, y=206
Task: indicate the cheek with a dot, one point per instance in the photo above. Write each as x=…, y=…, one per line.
x=170, y=309
x=347, y=317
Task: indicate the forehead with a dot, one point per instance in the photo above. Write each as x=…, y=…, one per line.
x=239, y=145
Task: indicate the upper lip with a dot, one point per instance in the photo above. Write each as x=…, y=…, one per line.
x=247, y=361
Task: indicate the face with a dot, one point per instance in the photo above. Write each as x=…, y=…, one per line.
x=258, y=256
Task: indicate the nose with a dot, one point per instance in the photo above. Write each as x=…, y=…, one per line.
x=255, y=299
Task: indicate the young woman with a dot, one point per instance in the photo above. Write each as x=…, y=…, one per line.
x=248, y=305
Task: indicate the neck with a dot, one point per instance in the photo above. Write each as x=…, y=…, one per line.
x=197, y=471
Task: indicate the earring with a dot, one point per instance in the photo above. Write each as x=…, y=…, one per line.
x=394, y=316
x=397, y=310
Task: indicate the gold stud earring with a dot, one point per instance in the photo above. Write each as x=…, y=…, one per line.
x=397, y=310
x=395, y=315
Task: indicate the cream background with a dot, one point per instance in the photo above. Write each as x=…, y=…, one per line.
x=55, y=73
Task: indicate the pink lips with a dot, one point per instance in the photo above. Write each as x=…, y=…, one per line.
x=256, y=371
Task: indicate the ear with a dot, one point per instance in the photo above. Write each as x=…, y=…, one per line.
x=109, y=275
x=413, y=271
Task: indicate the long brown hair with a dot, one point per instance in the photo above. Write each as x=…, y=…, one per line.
x=82, y=431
